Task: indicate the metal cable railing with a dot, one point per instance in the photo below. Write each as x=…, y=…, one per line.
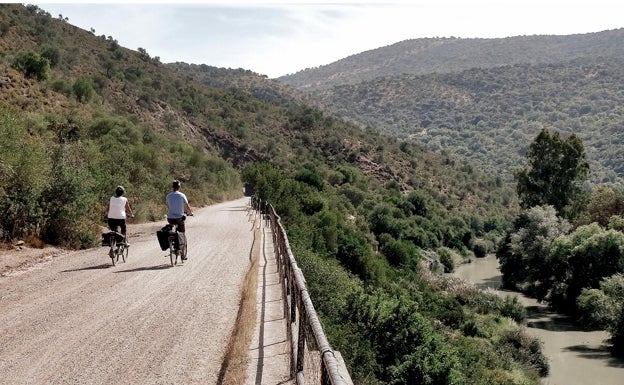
x=312, y=359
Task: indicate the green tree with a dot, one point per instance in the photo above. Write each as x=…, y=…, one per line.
x=523, y=254
x=83, y=88
x=554, y=174
x=32, y=65
x=53, y=54
x=604, y=308
x=603, y=204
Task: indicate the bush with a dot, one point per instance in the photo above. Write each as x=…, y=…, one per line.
x=526, y=349
x=62, y=87
x=481, y=248
x=83, y=88
x=512, y=308
x=32, y=65
x=446, y=258
x=53, y=54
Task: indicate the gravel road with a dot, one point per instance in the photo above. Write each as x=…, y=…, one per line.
x=76, y=319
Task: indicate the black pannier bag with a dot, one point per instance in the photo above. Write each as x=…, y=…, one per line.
x=106, y=238
x=163, y=237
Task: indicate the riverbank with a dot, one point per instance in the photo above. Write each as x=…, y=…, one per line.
x=576, y=357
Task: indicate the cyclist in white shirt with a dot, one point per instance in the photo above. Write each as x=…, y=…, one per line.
x=118, y=210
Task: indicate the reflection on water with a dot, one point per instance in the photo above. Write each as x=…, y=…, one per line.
x=576, y=357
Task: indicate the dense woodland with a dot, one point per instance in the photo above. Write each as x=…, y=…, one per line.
x=489, y=116
x=485, y=99
x=373, y=220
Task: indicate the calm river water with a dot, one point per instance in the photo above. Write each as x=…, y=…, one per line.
x=576, y=357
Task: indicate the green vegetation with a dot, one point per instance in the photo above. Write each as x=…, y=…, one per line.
x=488, y=117
x=373, y=221
x=32, y=65
x=385, y=311
x=57, y=175
x=576, y=267
x=554, y=175
x=604, y=308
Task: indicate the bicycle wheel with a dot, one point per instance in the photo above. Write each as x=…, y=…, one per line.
x=111, y=253
x=172, y=253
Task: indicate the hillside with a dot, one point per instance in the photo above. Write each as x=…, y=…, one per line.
x=445, y=55
x=490, y=113
x=233, y=119
x=369, y=217
x=490, y=116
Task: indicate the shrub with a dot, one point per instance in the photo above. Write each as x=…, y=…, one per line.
x=512, y=308
x=480, y=248
x=53, y=54
x=526, y=349
x=62, y=87
x=83, y=88
x=32, y=65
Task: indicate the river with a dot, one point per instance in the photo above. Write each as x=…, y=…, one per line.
x=576, y=357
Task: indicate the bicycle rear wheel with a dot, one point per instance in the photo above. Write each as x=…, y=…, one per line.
x=173, y=257
x=111, y=253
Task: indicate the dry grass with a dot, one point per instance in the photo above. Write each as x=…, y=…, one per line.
x=234, y=366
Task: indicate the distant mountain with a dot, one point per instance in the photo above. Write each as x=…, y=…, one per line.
x=94, y=92
x=485, y=100
x=444, y=55
x=259, y=86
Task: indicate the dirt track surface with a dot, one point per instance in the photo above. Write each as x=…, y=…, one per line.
x=76, y=319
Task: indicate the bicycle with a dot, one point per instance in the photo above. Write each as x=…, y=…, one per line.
x=170, y=238
x=177, y=245
x=118, y=246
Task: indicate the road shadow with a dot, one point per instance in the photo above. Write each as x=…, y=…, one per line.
x=602, y=352
x=148, y=268
x=98, y=267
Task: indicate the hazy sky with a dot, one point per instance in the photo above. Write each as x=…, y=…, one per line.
x=276, y=38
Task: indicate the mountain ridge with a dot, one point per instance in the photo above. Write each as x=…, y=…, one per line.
x=442, y=55
x=488, y=114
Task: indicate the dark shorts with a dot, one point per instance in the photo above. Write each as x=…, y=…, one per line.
x=177, y=221
x=114, y=223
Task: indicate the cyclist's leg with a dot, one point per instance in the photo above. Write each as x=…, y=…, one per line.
x=177, y=225
x=112, y=225
x=183, y=244
x=122, y=225
x=182, y=234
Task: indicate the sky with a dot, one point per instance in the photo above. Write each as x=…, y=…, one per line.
x=277, y=38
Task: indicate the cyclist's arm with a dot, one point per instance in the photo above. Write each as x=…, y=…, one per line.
x=129, y=210
x=188, y=209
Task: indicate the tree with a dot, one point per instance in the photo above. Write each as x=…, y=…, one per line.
x=53, y=54
x=580, y=261
x=605, y=202
x=554, y=174
x=32, y=65
x=83, y=88
x=524, y=253
x=604, y=308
